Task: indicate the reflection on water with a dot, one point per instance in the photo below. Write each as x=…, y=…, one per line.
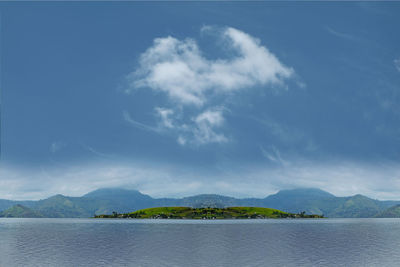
x=90, y=242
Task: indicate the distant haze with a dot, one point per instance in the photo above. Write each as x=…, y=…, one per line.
x=171, y=181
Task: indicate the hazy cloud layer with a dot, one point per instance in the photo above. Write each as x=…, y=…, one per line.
x=342, y=179
x=179, y=69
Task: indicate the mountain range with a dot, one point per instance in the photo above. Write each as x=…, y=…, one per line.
x=108, y=200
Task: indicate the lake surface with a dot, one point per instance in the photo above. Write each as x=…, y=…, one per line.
x=97, y=242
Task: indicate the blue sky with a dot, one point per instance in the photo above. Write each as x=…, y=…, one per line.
x=178, y=98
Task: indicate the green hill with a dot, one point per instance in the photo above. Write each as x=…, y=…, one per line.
x=121, y=201
x=357, y=206
x=392, y=212
x=316, y=201
x=60, y=206
x=19, y=211
x=208, y=213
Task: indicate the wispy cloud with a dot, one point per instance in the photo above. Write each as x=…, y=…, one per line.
x=56, y=146
x=199, y=129
x=288, y=135
x=95, y=151
x=397, y=63
x=341, y=34
x=165, y=117
x=127, y=117
x=179, y=69
x=274, y=155
x=205, y=124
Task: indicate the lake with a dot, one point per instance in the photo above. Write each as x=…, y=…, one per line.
x=113, y=242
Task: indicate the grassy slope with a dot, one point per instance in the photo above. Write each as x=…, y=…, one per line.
x=392, y=212
x=19, y=211
x=207, y=213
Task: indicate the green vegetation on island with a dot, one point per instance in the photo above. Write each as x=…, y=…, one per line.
x=208, y=213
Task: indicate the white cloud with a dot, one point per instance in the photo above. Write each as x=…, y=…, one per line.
x=397, y=63
x=211, y=117
x=199, y=130
x=181, y=140
x=165, y=115
x=205, y=123
x=179, y=69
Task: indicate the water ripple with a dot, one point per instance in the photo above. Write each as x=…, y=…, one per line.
x=88, y=242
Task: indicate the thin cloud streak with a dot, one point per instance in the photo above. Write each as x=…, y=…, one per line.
x=96, y=152
x=127, y=117
x=273, y=155
x=340, y=34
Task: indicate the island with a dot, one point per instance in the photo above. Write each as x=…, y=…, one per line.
x=208, y=213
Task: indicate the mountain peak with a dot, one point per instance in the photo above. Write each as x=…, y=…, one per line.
x=58, y=196
x=20, y=211
x=112, y=192
x=208, y=196
x=305, y=192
